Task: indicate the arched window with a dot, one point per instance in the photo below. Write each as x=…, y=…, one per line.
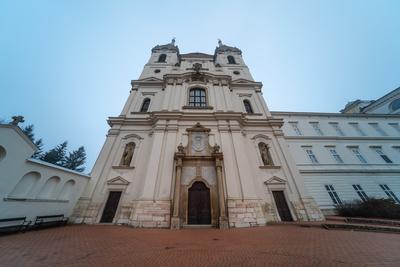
x=197, y=97
x=25, y=185
x=48, y=190
x=247, y=106
x=231, y=60
x=145, y=105
x=67, y=190
x=162, y=58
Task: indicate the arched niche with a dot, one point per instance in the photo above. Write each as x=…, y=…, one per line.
x=25, y=185
x=49, y=188
x=67, y=190
x=3, y=153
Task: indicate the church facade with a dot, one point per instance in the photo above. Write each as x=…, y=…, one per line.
x=195, y=144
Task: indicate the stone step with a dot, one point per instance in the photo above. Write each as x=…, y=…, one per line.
x=198, y=226
x=361, y=227
x=395, y=223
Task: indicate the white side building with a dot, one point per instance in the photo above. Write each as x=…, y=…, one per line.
x=350, y=155
x=30, y=187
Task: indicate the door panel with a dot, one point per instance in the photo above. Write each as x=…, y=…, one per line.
x=282, y=206
x=111, y=207
x=199, y=210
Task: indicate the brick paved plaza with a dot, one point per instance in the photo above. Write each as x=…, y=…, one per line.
x=103, y=245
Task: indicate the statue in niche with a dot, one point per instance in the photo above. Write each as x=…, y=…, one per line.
x=128, y=154
x=265, y=154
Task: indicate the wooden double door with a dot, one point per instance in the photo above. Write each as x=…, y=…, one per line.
x=199, y=206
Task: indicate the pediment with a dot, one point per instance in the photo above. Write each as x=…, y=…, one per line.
x=117, y=181
x=275, y=180
x=150, y=79
x=242, y=81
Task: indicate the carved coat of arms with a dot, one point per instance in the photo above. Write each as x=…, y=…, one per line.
x=198, y=142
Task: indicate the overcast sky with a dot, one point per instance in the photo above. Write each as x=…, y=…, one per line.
x=66, y=65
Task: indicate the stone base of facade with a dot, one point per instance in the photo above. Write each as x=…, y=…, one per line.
x=308, y=210
x=151, y=214
x=246, y=213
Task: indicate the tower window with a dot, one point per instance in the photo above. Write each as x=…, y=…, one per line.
x=162, y=58
x=247, y=106
x=197, y=97
x=145, y=105
x=231, y=60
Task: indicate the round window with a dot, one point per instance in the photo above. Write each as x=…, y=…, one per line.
x=236, y=72
x=156, y=71
x=395, y=105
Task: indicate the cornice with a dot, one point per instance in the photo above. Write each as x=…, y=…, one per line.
x=343, y=115
x=337, y=138
x=154, y=117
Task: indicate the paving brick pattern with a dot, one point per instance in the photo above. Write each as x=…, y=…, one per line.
x=280, y=245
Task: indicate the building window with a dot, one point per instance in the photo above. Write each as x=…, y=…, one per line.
x=197, y=97
x=335, y=155
x=395, y=105
x=311, y=155
x=378, y=128
x=358, y=155
x=295, y=127
x=162, y=58
x=145, y=105
x=337, y=128
x=379, y=151
x=316, y=128
x=395, y=126
x=357, y=128
x=247, y=106
x=389, y=193
x=231, y=60
x=360, y=192
x=332, y=193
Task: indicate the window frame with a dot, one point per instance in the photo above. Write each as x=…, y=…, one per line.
x=335, y=155
x=317, y=129
x=360, y=192
x=389, y=193
x=145, y=101
x=382, y=155
x=337, y=128
x=311, y=155
x=231, y=60
x=164, y=56
x=333, y=194
x=249, y=105
x=357, y=128
x=205, y=98
x=295, y=127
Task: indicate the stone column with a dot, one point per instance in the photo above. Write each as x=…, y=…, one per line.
x=175, y=220
x=223, y=219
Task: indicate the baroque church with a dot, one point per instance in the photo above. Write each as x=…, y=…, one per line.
x=195, y=144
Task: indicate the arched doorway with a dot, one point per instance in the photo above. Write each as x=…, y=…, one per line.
x=199, y=208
